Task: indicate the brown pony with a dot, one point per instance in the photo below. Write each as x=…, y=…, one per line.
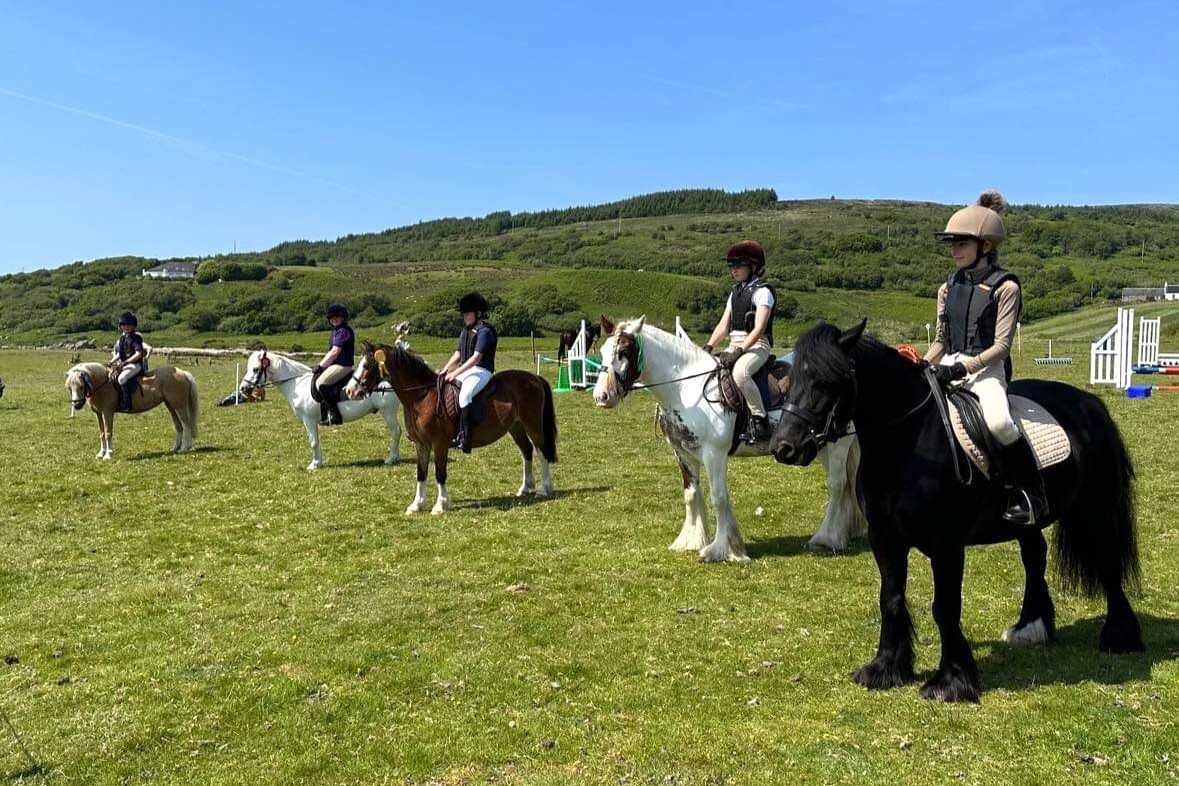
x=174, y=388
x=514, y=402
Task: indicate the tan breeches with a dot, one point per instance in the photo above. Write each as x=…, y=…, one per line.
x=332, y=375
x=744, y=369
x=990, y=385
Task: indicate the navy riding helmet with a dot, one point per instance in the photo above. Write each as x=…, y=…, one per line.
x=337, y=310
x=127, y=318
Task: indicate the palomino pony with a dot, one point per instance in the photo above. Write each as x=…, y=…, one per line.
x=700, y=430
x=515, y=402
x=174, y=388
x=910, y=490
x=293, y=380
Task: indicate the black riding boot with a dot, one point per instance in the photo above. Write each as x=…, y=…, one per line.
x=1029, y=503
x=125, y=391
x=462, y=437
x=757, y=430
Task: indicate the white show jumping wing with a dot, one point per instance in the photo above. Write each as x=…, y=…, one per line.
x=293, y=380
x=701, y=433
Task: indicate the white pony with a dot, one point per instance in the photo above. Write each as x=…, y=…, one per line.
x=700, y=430
x=293, y=380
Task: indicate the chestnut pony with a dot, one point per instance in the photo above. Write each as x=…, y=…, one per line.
x=514, y=402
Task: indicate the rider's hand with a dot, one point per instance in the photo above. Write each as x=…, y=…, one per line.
x=947, y=374
x=707, y=348
x=728, y=358
x=317, y=370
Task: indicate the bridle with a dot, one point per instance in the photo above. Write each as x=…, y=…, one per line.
x=822, y=431
x=259, y=377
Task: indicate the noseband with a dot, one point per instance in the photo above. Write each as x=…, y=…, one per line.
x=823, y=431
x=634, y=366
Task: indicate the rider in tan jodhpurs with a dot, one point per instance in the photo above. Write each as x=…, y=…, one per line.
x=977, y=312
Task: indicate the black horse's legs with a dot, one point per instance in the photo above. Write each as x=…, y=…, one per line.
x=1037, y=618
x=956, y=678
x=893, y=664
x=1121, y=632
x=442, y=504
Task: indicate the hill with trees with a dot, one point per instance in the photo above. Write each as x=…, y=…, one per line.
x=659, y=254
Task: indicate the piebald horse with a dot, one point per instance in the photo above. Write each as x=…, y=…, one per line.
x=293, y=379
x=700, y=430
x=175, y=388
x=517, y=402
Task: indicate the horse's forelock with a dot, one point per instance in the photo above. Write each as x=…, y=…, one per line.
x=818, y=352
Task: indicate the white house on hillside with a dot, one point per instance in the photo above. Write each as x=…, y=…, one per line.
x=176, y=271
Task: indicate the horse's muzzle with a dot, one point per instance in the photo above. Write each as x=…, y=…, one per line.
x=78, y=403
x=786, y=453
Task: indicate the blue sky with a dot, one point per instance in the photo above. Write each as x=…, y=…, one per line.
x=167, y=129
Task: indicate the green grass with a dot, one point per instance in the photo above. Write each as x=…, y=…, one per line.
x=226, y=617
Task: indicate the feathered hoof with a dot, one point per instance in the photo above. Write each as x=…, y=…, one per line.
x=525, y=491
x=392, y=460
x=721, y=552
x=1120, y=638
x=819, y=545
x=952, y=684
x=1029, y=635
x=883, y=673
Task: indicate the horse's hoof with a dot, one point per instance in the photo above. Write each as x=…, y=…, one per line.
x=543, y=492
x=391, y=460
x=312, y=467
x=414, y=508
x=952, y=684
x=882, y=674
x=436, y=511
x=1119, y=638
x=720, y=553
x=1027, y=635
x=524, y=492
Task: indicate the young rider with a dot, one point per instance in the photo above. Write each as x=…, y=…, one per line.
x=129, y=358
x=748, y=321
x=977, y=312
x=473, y=362
x=336, y=364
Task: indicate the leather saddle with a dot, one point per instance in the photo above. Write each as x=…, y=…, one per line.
x=334, y=391
x=448, y=401
x=1048, y=439
x=773, y=382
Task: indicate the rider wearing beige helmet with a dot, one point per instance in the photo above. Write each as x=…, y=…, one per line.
x=977, y=311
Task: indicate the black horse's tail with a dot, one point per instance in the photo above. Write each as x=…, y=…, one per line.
x=549, y=448
x=1096, y=544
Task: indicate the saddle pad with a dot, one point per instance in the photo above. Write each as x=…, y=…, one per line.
x=1048, y=440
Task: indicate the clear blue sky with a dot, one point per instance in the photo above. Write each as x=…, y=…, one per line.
x=169, y=129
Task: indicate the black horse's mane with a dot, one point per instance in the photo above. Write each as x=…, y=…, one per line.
x=827, y=362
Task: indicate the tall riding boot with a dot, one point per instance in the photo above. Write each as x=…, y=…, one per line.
x=1029, y=503
x=757, y=430
x=462, y=438
x=324, y=410
x=331, y=394
x=125, y=392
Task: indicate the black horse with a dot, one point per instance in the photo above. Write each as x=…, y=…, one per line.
x=911, y=496
x=593, y=331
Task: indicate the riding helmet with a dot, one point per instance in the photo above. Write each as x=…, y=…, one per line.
x=981, y=220
x=337, y=310
x=749, y=252
x=127, y=318
x=473, y=301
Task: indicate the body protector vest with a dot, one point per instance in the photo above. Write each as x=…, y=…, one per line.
x=744, y=314
x=467, y=346
x=127, y=348
x=971, y=311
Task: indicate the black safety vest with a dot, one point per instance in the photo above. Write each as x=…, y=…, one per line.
x=971, y=310
x=744, y=314
x=467, y=342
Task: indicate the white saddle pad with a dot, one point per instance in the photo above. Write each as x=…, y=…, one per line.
x=1048, y=440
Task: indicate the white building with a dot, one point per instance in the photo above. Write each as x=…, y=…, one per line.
x=175, y=271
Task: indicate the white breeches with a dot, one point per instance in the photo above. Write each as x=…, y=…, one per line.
x=128, y=372
x=472, y=381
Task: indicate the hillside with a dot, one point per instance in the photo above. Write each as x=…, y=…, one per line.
x=838, y=259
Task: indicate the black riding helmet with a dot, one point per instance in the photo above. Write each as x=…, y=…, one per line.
x=337, y=310
x=473, y=301
x=127, y=318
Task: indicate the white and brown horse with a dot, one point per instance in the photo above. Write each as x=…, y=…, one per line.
x=700, y=429
x=175, y=388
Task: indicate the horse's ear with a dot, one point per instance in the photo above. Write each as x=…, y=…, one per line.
x=640, y=322
x=368, y=345
x=850, y=337
x=607, y=325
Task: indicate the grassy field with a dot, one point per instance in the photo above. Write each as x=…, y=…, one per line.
x=226, y=617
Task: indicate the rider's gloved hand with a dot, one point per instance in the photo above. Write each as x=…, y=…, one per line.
x=728, y=358
x=317, y=370
x=948, y=374
x=707, y=348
